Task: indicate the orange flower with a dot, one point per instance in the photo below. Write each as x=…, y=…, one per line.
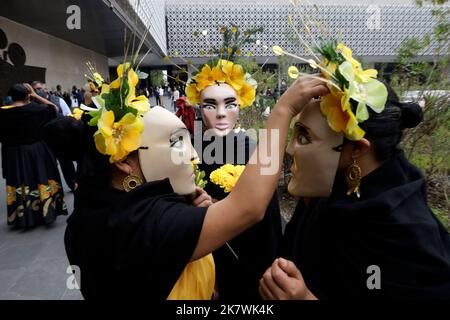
x=336, y=108
x=192, y=94
x=10, y=195
x=43, y=192
x=208, y=77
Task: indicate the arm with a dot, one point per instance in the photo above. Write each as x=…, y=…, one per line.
x=247, y=203
x=38, y=98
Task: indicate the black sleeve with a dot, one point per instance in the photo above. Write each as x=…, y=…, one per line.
x=156, y=240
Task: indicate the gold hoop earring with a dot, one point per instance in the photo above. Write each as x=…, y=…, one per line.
x=131, y=182
x=353, y=178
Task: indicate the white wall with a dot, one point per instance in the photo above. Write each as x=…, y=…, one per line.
x=65, y=62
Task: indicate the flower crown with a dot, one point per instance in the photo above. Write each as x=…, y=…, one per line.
x=223, y=67
x=352, y=89
x=222, y=71
x=95, y=80
x=119, y=115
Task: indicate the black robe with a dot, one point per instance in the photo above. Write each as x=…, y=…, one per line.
x=257, y=247
x=35, y=193
x=131, y=245
x=334, y=241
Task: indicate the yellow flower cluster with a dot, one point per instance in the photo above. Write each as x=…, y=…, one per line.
x=227, y=176
x=118, y=136
x=362, y=88
x=223, y=72
x=77, y=113
x=347, y=81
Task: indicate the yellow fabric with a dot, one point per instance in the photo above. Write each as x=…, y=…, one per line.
x=196, y=282
x=7, y=107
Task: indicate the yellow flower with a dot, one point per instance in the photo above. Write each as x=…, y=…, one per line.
x=54, y=187
x=98, y=78
x=234, y=73
x=208, y=77
x=293, y=72
x=360, y=74
x=192, y=94
x=246, y=95
x=277, y=50
x=227, y=176
x=44, y=192
x=77, y=113
x=10, y=195
x=118, y=139
x=140, y=103
x=336, y=108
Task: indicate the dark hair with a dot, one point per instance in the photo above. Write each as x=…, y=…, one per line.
x=18, y=92
x=36, y=83
x=384, y=130
x=74, y=140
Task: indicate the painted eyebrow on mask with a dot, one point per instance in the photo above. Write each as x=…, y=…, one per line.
x=230, y=100
x=209, y=101
x=301, y=125
x=178, y=131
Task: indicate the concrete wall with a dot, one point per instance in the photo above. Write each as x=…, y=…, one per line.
x=64, y=61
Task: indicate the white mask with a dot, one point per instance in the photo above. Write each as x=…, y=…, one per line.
x=220, y=109
x=166, y=151
x=313, y=151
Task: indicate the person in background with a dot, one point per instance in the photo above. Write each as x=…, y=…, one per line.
x=59, y=91
x=175, y=97
x=67, y=166
x=161, y=96
x=35, y=195
x=187, y=114
x=42, y=90
x=156, y=92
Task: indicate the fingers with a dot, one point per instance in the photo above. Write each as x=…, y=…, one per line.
x=203, y=200
x=289, y=268
x=276, y=291
x=264, y=291
x=280, y=277
x=197, y=193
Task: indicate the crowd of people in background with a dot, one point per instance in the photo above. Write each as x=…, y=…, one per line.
x=34, y=105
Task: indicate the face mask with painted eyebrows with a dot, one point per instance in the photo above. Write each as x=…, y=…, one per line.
x=219, y=108
x=314, y=154
x=166, y=151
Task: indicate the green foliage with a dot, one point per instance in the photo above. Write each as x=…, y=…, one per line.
x=427, y=145
x=157, y=78
x=234, y=40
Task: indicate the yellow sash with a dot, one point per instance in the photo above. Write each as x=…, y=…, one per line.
x=196, y=282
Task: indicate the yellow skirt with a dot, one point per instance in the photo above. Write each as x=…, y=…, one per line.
x=196, y=282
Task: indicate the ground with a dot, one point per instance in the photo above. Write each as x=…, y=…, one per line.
x=33, y=263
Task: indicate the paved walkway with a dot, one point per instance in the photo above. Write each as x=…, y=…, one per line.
x=33, y=263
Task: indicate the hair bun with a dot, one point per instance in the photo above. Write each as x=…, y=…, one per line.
x=412, y=115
